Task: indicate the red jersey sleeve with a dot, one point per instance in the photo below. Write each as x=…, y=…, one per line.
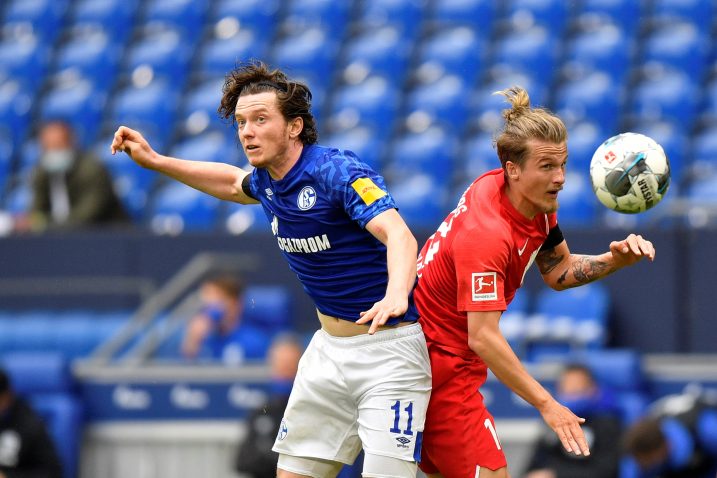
x=481, y=259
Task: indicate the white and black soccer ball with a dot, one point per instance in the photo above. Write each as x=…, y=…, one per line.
x=630, y=173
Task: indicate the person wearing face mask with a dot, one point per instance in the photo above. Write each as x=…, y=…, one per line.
x=577, y=390
x=216, y=332
x=70, y=188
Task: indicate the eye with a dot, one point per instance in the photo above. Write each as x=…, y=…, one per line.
x=241, y=123
x=261, y=119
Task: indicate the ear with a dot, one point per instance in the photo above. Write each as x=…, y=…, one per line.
x=513, y=170
x=296, y=126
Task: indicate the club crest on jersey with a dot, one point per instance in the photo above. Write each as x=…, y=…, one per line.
x=283, y=430
x=484, y=286
x=367, y=190
x=306, y=198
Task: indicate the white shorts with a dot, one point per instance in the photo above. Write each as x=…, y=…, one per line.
x=368, y=389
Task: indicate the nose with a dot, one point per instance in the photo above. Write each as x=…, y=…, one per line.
x=246, y=131
x=559, y=176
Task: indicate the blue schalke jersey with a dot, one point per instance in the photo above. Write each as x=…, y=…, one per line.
x=318, y=213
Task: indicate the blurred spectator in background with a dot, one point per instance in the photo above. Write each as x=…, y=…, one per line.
x=70, y=188
x=578, y=390
x=26, y=449
x=677, y=439
x=217, y=331
x=255, y=456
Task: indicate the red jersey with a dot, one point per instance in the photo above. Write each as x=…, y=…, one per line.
x=475, y=261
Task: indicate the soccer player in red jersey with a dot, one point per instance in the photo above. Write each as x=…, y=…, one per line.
x=469, y=271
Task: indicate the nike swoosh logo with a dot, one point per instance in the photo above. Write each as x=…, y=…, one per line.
x=521, y=250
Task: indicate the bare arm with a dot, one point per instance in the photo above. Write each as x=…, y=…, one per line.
x=217, y=179
x=563, y=270
x=486, y=340
x=401, y=249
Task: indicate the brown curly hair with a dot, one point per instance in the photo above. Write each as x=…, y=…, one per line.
x=293, y=97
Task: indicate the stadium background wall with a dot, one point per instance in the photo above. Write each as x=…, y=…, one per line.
x=667, y=306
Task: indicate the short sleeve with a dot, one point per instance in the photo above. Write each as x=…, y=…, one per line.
x=361, y=191
x=481, y=260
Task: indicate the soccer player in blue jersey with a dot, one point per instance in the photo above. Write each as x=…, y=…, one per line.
x=364, y=379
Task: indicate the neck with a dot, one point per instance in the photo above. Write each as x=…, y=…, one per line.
x=519, y=202
x=291, y=156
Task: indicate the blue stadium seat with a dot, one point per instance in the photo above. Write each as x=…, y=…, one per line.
x=451, y=51
x=381, y=51
x=578, y=206
x=512, y=322
x=666, y=97
x=24, y=60
x=677, y=46
x=697, y=12
x=361, y=141
x=327, y=15
x=43, y=16
x=307, y=56
x=269, y=308
x=210, y=146
x=530, y=52
x=429, y=153
x=704, y=152
x=187, y=15
x=18, y=199
x=37, y=373
x=259, y=16
x=240, y=218
x=63, y=414
x=112, y=17
x=703, y=191
x=15, y=104
x=480, y=15
x=177, y=208
x=551, y=14
x=594, y=98
x=603, y=48
x=405, y=15
x=89, y=56
x=199, y=109
x=443, y=101
x=626, y=13
x=79, y=103
x=709, y=111
x=165, y=54
x=150, y=109
x=221, y=55
x=422, y=202
x=372, y=103
x=479, y=156
x=583, y=139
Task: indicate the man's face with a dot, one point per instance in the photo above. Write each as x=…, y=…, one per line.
x=263, y=131
x=541, y=176
x=575, y=383
x=54, y=137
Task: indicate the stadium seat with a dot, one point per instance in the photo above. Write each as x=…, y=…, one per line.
x=479, y=15
x=18, y=199
x=697, y=12
x=164, y=54
x=405, y=15
x=372, y=104
x=603, y=48
x=376, y=52
x=259, y=16
x=422, y=202
x=43, y=16
x=327, y=15
x=115, y=18
x=90, y=56
x=530, y=52
x=704, y=153
x=25, y=61
x=486, y=107
x=269, y=308
x=578, y=206
x=428, y=153
x=15, y=104
x=677, y=46
x=454, y=51
x=512, y=322
x=183, y=14
x=674, y=142
x=583, y=139
x=478, y=157
x=79, y=103
x=199, y=109
x=221, y=55
x=361, y=141
x=595, y=98
x=666, y=97
x=307, y=56
x=177, y=208
x=240, y=218
x=625, y=13
x=443, y=102
x=551, y=14
x=210, y=146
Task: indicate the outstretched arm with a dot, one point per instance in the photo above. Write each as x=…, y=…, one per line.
x=486, y=340
x=563, y=270
x=217, y=179
x=401, y=249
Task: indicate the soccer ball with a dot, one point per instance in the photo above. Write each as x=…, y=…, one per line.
x=630, y=173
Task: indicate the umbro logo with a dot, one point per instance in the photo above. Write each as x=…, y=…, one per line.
x=403, y=440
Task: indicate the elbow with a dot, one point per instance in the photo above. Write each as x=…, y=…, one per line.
x=478, y=344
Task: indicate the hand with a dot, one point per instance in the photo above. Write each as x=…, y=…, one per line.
x=567, y=426
x=381, y=311
x=630, y=250
x=134, y=144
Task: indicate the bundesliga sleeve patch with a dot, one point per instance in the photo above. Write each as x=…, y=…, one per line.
x=484, y=286
x=368, y=191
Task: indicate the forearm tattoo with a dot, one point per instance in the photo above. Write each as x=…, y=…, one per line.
x=548, y=260
x=585, y=269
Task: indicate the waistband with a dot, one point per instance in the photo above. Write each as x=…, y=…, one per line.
x=385, y=335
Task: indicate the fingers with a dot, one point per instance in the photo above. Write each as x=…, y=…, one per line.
x=635, y=245
x=122, y=134
x=378, y=315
